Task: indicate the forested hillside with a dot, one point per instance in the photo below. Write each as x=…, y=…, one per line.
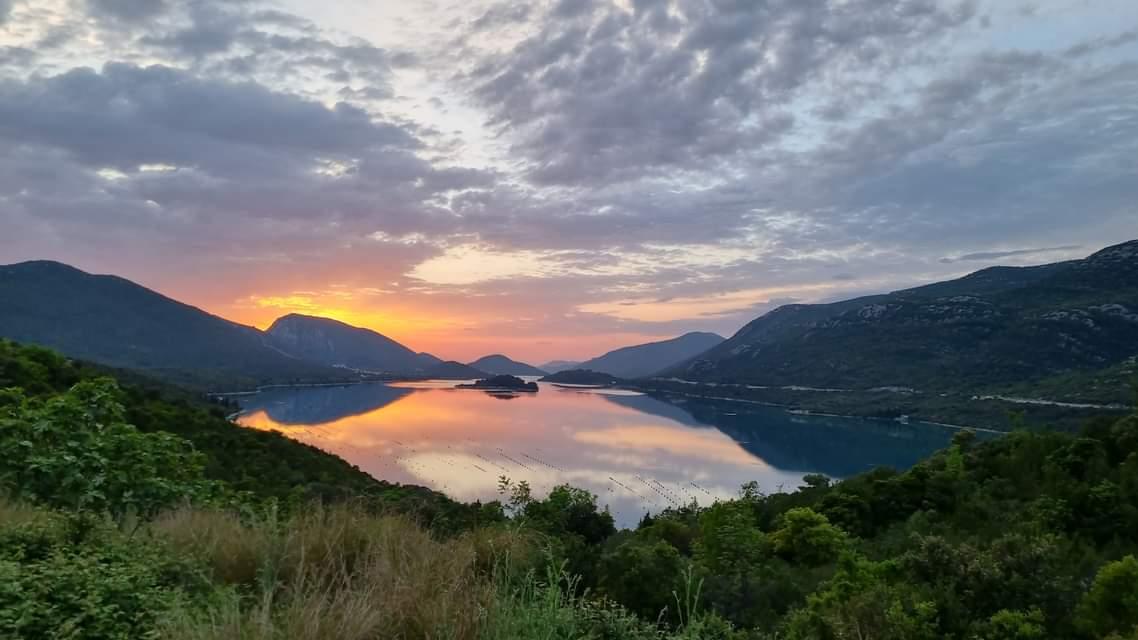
x=118, y=323
x=261, y=464
x=994, y=328
x=128, y=515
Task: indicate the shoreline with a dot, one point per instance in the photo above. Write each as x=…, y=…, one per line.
x=821, y=414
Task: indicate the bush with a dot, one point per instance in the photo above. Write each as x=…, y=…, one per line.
x=1111, y=605
x=64, y=577
x=75, y=452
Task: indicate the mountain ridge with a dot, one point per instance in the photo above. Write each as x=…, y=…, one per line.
x=116, y=322
x=499, y=364
x=993, y=326
x=556, y=366
x=641, y=360
x=335, y=343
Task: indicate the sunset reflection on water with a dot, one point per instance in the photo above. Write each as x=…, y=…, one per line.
x=636, y=453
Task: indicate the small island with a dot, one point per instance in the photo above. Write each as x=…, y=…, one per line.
x=501, y=383
x=582, y=378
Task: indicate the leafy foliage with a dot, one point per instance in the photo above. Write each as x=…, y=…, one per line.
x=260, y=464
x=75, y=452
x=1032, y=535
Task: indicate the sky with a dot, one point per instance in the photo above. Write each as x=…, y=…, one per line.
x=554, y=179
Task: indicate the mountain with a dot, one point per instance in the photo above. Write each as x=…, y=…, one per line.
x=451, y=370
x=429, y=360
x=647, y=359
x=996, y=326
x=335, y=343
x=581, y=377
x=113, y=321
x=554, y=366
x=498, y=364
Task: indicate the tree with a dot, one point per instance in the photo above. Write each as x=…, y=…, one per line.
x=1111, y=605
x=807, y=536
x=642, y=575
x=732, y=551
x=76, y=452
x=1012, y=625
x=860, y=602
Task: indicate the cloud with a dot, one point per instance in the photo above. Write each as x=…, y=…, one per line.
x=127, y=10
x=984, y=256
x=5, y=9
x=566, y=167
x=501, y=14
x=602, y=93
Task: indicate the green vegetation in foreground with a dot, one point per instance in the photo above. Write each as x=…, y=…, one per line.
x=113, y=531
x=251, y=464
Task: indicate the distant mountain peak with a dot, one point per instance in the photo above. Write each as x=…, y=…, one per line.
x=499, y=364
x=643, y=360
x=452, y=370
x=113, y=321
x=47, y=267
x=337, y=343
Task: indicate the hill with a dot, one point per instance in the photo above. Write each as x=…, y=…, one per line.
x=581, y=377
x=335, y=343
x=498, y=364
x=998, y=326
x=125, y=514
x=451, y=370
x=647, y=359
x=113, y=321
x=262, y=464
x=554, y=366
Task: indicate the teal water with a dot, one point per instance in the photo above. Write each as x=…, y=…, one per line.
x=636, y=452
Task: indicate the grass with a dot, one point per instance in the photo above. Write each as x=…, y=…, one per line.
x=339, y=572
x=325, y=573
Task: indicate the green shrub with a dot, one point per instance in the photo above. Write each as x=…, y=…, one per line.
x=67, y=577
x=75, y=452
x=1111, y=605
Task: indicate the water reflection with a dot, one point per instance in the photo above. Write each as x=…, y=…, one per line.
x=637, y=453
x=318, y=405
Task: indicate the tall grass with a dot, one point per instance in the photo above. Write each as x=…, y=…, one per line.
x=341, y=573
x=338, y=572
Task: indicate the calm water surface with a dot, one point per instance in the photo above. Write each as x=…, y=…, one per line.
x=637, y=453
